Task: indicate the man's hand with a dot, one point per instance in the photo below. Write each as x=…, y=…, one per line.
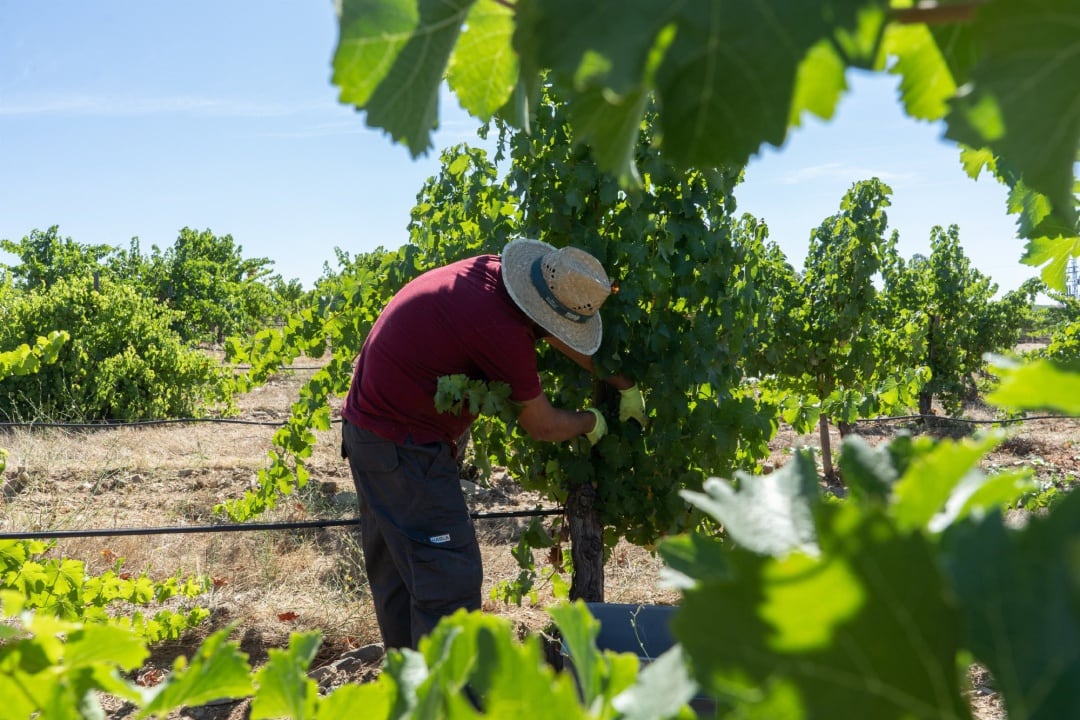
x=599, y=429
x=632, y=405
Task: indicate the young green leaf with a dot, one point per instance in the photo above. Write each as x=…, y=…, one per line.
x=217, y=670
x=284, y=689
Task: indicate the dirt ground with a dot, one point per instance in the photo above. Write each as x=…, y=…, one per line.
x=272, y=583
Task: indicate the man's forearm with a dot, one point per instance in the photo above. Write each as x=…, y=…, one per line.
x=544, y=422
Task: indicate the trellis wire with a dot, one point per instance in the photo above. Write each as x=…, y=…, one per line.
x=241, y=527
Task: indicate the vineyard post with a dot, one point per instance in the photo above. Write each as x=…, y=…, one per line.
x=826, y=449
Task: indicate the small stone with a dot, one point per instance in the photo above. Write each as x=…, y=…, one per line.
x=344, y=500
x=368, y=654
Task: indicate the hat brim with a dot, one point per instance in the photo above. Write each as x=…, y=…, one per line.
x=517, y=260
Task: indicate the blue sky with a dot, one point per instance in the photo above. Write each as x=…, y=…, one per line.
x=122, y=118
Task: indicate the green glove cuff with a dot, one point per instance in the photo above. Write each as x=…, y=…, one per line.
x=599, y=429
x=632, y=405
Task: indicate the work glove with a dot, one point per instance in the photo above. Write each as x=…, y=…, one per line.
x=632, y=405
x=599, y=430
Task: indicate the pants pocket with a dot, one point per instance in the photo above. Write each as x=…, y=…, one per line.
x=447, y=574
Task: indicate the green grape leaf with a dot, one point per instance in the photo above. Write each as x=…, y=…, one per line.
x=727, y=80
x=390, y=61
x=408, y=671
x=867, y=625
x=16, y=703
x=819, y=83
x=376, y=698
x=998, y=491
x=105, y=644
x=284, y=689
x=724, y=72
x=579, y=630
x=917, y=500
x=926, y=83
x=611, y=127
x=769, y=514
x=1040, y=385
x=693, y=558
x=1055, y=253
x=507, y=678
x=1022, y=101
x=608, y=43
x=662, y=690
x=218, y=670
x=974, y=160
x=868, y=472
x=483, y=69
x=1020, y=595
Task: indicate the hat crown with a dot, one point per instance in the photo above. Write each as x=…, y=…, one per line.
x=576, y=279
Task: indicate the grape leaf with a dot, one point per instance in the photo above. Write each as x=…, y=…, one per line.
x=916, y=501
x=1020, y=592
x=662, y=690
x=1040, y=385
x=284, y=688
x=819, y=84
x=376, y=698
x=768, y=514
x=474, y=661
x=483, y=68
x=607, y=44
x=926, y=83
x=105, y=644
x=218, y=670
x=611, y=127
x=1022, y=101
x=690, y=558
x=1055, y=253
x=579, y=631
x=390, y=61
x=867, y=625
x=727, y=81
x=868, y=472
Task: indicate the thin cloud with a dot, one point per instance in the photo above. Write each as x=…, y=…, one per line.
x=840, y=171
x=100, y=106
x=355, y=126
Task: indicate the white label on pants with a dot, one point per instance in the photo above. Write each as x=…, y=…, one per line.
x=439, y=539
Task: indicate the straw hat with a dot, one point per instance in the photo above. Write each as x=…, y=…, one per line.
x=561, y=289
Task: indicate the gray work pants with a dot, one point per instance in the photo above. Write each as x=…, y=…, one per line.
x=420, y=549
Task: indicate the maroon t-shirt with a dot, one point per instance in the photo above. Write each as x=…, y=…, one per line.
x=454, y=319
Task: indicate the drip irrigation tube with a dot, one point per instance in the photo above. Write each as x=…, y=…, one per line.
x=239, y=527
